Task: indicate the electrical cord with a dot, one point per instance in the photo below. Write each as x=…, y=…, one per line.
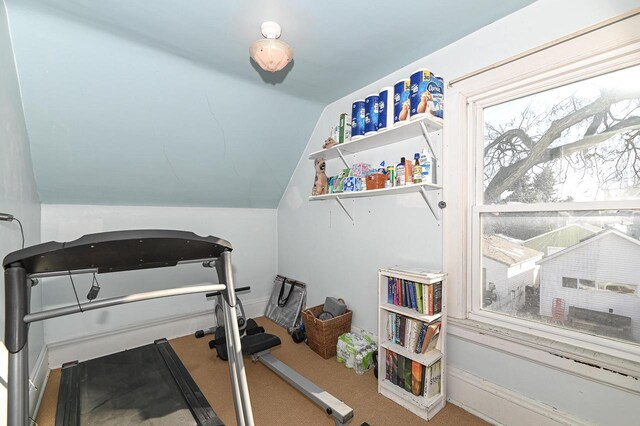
x=75, y=292
x=21, y=229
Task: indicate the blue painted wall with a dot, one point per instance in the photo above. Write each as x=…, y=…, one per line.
x=157, y=102
x=116, y=122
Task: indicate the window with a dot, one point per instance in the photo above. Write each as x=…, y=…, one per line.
x=557, y=203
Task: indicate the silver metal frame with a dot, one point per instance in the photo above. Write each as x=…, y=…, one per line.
x=340, y=411
x=17, y=297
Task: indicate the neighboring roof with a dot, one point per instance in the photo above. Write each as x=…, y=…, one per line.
x=566, y=236
x=609, y=232
x=507, y=252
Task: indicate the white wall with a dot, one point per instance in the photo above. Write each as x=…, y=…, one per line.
x=18, y=195
x=252, y=233
x=318, y=244
x=609, y=258
x=510, y=283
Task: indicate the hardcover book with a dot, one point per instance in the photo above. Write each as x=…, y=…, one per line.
x=432, y=330
x=421, y=337
x=437, y=298
x=417, y=376
x=408, y=365
x=433, y=380
x=401, y=362
x=394, y=368
x=419, y=298
x=390, y=290
x=389, y=363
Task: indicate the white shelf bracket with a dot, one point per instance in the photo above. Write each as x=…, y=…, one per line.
x=427, y=138
x=344, y=160
x=431, y=204
x=344, y=208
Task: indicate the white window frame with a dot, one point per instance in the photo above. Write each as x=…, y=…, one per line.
x=595, y=52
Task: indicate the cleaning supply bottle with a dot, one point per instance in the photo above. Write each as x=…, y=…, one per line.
x=417, y=169
x=408, y=172
x=425, y=162
x=400, y=173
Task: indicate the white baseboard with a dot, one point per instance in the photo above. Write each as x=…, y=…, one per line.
x=501, y=406
x=105, y=343
x=38, y=377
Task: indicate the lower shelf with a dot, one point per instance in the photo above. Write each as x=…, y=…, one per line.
x=419, y=405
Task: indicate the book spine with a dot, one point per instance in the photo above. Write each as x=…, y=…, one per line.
x=412, y=295
x=389, y=290
x=389, y=363
x=401, y=362
x=408, y=364
x=423, y=333
x=437, y=298
x=416, y=377
x=430, y=306
x=394, y=368
x=419, y=297
x=395, y=292
x=403, y=322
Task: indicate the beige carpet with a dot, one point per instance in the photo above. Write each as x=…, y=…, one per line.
x=273, y=400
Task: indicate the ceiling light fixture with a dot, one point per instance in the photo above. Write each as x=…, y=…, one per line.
x=270, y=53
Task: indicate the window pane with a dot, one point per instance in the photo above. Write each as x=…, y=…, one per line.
x=579, y=142
x=572, y=269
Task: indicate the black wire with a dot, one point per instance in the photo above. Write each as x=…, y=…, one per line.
x=21, y=229
x=75, y=292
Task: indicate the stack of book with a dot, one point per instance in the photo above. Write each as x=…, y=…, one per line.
x=415, y=336
x=424, y=298
x=413, y=376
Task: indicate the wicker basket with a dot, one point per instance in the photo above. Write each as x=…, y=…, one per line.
x=322, y=336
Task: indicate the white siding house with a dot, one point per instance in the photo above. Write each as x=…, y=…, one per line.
x=600, y=274
x=508, y=268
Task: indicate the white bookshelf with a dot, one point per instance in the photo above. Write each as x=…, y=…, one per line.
x=421, y=405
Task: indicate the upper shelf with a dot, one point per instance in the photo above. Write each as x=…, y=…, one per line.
x=399, y=132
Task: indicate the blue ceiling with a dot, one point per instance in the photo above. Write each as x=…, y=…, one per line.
x=157, y=103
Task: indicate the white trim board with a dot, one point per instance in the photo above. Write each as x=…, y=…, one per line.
x=501, y=406
x=105, y=343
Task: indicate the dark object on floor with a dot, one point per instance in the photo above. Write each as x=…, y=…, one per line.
x=299, y=335
x=375, y=363
x=365, y=424
x=145, y=385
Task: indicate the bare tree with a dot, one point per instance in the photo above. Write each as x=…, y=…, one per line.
x=566, y=137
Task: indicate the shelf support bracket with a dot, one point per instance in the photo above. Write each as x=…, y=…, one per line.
x=344, y=160
x=427, y=138
x=344, y=208
x=425, y=195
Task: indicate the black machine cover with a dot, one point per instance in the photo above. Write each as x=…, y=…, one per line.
x=118, y=251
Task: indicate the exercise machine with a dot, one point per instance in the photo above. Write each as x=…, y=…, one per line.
x=257, y=344
x=110, y=252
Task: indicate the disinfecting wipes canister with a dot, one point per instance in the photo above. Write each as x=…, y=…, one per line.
x=371, y=114
x=401, y=100
x=357, y=119
x=385, y=108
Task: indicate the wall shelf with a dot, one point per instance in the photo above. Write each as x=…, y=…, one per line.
x=398, y=133
x=407, y=189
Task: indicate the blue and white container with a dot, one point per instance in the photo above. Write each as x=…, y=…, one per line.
x=357, y=119
x=371, y=106
x=436, y=89
x=385, y=108
x=401, y=100
x=421, y=98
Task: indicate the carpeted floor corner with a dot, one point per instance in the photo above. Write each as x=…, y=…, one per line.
x=274, y=401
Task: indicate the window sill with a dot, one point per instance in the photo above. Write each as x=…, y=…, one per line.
x=595, y=366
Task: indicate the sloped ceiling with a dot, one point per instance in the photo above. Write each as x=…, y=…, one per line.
x=157, y=102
